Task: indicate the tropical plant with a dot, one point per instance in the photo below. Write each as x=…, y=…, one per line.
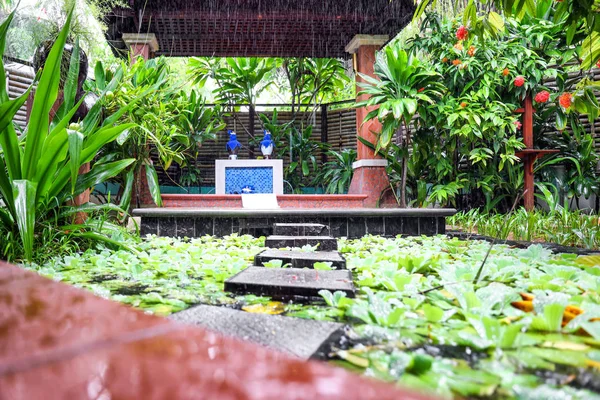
x=336, y=174
x=200, y=123
x=166, y=123
x=39, y=172
x=303, y=152
x=464, y=149
x=311, y=80
x=404, y=88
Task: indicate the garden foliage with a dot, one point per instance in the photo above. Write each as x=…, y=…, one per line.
x=39, y=169
x=466, y=143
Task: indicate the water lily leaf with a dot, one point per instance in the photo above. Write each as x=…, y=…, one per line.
x=563, y=357
x=589, y=261
x=550, y=320
x=323, y=266
x=272, y=308
x=354, y=359
x=432, y=313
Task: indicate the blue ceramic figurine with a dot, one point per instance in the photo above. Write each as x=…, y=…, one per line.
x=267, y=145
x=233, y=146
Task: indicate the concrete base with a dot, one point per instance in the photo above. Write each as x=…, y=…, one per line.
x=350, y=223
x=371, y=181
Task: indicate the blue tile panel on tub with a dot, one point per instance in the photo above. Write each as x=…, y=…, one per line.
x=260, y=179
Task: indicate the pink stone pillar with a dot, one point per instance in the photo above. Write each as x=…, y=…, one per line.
x=141, y=44
x=370, y=177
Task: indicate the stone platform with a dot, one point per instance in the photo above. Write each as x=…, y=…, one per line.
x=351, y=223
x=284, y=200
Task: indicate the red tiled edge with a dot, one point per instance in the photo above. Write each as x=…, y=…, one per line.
x=107, y=350
x=285, y=201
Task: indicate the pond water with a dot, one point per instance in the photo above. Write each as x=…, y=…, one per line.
x=530, y=328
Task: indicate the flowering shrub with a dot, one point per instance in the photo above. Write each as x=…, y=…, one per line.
x=468, y=140
x=519, y=81
x=542, y=96
x=565, y=100
x=462, y=33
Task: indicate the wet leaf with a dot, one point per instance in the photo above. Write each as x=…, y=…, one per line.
x=272, y=308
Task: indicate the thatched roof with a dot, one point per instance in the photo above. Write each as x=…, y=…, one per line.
x=282, y=28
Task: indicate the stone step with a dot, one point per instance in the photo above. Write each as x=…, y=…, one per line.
x=301, y=259
x=289, y=282
x=326, y=243
x=299, y=337
x=301, y=230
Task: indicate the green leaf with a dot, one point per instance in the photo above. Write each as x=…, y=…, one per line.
x=75, y=146
x=100, y=76
x=323, y=266
x=100, y=173
x=128, y=190
x=153, y=184
x=432, y=313
x=589, y=261
x=24, y=193
x=45, y=97
x=8, y=136
x=71, y=84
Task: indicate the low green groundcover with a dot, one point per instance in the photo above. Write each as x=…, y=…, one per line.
x=529, y=329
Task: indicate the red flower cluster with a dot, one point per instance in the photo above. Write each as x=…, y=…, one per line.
x=542, y=97
x=518, y=125
x=565, y=100
x=420, y=90
x=462, y=33
x=598, y=64
x=456, y=62
x=519, y=81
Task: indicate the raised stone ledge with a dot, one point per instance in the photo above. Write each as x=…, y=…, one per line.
x=234, y=212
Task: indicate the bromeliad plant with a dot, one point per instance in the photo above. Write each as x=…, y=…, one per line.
x=39, y=171
x=405, y=87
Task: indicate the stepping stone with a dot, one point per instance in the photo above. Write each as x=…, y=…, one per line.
x=301, y=230
x=298, y=337
x=289, y=282
x=301, y=259
x=326, y=243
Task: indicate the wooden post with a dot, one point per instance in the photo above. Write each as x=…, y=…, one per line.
x=528, y=197
x=324, y=130
x=251, y=130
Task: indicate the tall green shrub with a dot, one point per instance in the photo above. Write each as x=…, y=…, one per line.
x=39, y=172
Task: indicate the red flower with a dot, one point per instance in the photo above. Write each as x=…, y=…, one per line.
x=420, y=90
x=519, y=81
x=598, y=64
x=445, y=59
x=471, y=51
x=505, y=72
x=463, y=104
x=542, y=97
x=462, y=33
x=565, y=100
x=518, y=125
